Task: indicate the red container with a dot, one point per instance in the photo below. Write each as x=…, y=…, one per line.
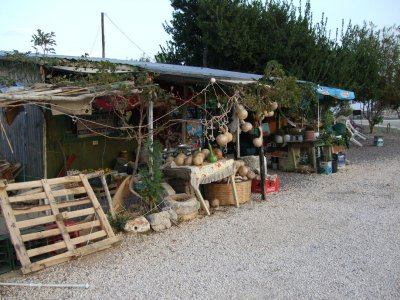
x=270, y=185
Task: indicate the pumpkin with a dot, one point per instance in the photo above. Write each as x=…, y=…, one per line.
x=198, y=160
x=222, y=139
x=169, y=159
x=243, y=170
x=218, y=153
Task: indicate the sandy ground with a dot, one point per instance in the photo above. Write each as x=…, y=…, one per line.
x=321, y=237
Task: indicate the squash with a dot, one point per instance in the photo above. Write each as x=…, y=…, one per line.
x=274, y=105
x=169, y=159
x=222, y=139
x=198, y=160
x=179, y=160
x=238, y=164
x=198, y=153
x=229, y=136
x=246, y=127
x=243, y=170
x=218, y=153
x=242, y=113
x=251, y=175
x=257, y=142
x=205, y=151
x=188, y=161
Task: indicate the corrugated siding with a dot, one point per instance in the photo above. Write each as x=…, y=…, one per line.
x=26, y=137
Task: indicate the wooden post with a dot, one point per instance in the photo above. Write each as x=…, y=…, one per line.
x=108, y=195
x=103, y=41
x=262, y=173
x=200, y=197
x=238, y=140
x=235, y=195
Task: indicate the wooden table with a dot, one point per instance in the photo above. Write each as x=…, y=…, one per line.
x=207, y=173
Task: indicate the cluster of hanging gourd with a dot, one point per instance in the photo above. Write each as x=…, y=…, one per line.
x=247, y=126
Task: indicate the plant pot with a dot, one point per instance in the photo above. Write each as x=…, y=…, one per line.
x=309, y=135
x=299, y=138
x=286, y=138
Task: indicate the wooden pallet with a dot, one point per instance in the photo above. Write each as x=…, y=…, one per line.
x=36, y=204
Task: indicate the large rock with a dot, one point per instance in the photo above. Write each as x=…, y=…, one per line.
x=159, y=221
x=173, y=216
x=137, y=225
x=182, y=204
x=167, y=190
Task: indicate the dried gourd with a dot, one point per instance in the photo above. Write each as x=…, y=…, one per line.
x=179, y=160
x=198, y=160
x=243, y=170
x=218, y=153
x=188, y=161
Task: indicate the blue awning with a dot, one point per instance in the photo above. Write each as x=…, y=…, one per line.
x=335, y=93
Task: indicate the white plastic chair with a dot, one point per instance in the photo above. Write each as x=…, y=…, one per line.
x=355, y=132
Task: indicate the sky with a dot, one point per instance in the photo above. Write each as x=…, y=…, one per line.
x=77, y=23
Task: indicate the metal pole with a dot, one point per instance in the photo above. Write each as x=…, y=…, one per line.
x=103, y=41
x=60, y=285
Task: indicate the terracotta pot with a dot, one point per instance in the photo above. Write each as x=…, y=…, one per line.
x=309, y=135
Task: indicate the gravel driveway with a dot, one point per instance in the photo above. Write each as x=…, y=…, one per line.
x=320, y=237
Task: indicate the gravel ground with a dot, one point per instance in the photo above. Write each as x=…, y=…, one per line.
x=322, y=237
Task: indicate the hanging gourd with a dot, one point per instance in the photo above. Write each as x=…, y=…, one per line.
x=268, y=114
x=246, y=127
x=229, y=135
x=274, y=105
x=257, y=142
x=222, y=139
x=241, y=113
x=212, y=158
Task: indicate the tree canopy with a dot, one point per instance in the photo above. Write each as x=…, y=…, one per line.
x=244, y=35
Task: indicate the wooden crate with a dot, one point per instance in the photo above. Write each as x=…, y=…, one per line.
x=36, y=204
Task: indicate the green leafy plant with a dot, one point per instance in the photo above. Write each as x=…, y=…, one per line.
x=151, y=176
x=118, y=222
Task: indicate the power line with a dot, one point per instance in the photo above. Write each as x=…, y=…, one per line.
x=94, y=42
x=120, y=30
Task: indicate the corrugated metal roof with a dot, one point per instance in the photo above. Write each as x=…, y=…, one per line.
x=189, y=72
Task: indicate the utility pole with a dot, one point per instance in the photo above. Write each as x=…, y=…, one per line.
x=103, y=42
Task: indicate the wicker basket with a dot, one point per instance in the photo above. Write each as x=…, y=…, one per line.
x=224, y=192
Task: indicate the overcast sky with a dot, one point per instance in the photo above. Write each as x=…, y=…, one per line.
x=77, y=23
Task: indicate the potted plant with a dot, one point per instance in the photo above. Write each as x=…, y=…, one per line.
x=309, y=133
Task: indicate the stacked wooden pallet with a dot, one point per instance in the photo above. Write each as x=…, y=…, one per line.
x=36, y=204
